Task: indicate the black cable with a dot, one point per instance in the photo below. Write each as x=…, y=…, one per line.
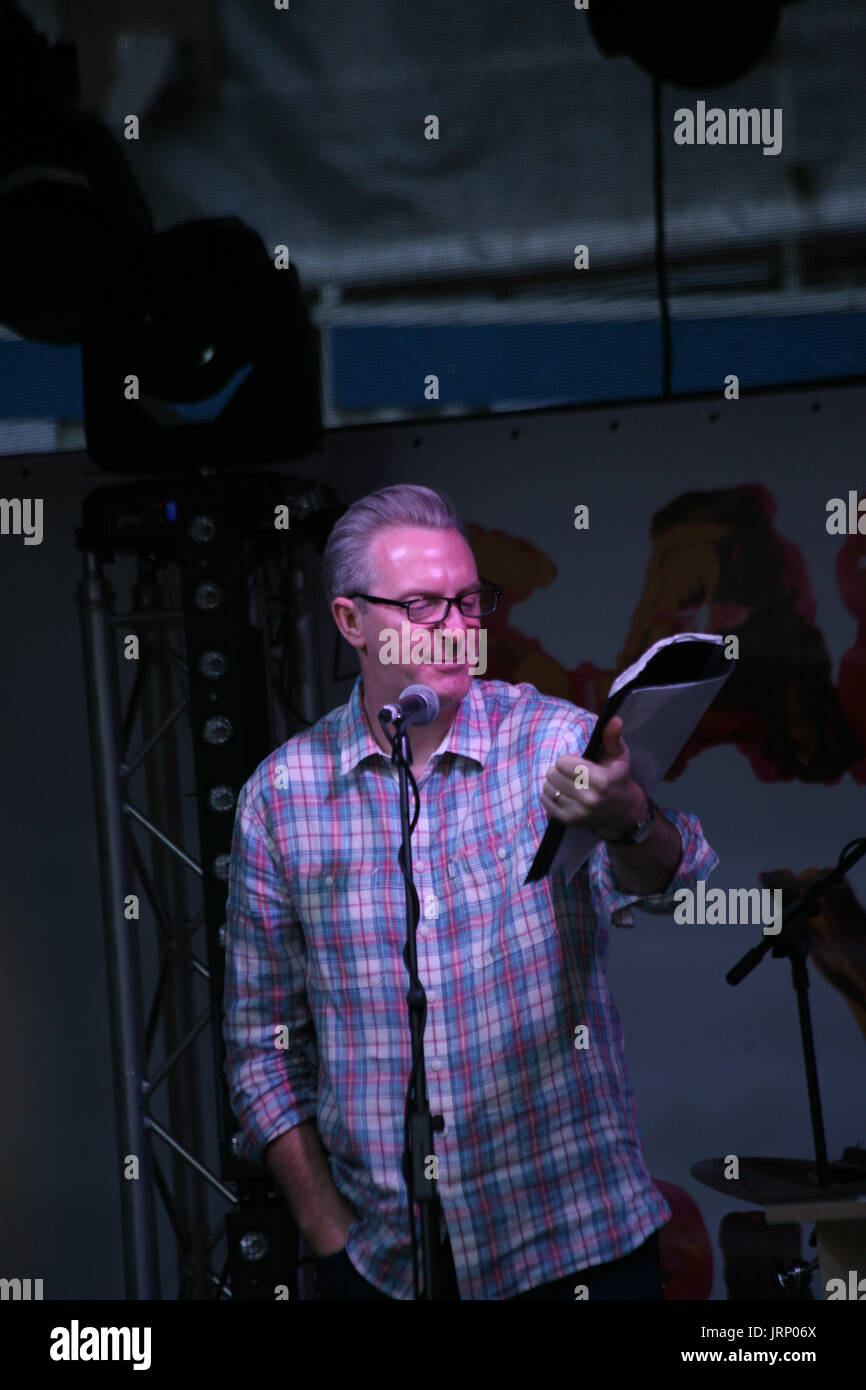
x=415, y=1063
x=661, y=263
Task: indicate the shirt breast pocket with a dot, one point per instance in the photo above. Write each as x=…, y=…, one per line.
x=502, y=916
x=341, y=910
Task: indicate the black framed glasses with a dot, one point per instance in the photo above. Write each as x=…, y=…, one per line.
x=474, y=603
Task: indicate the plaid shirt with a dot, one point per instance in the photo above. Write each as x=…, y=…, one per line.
x=541, y=1170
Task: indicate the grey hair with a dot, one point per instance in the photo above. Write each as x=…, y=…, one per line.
x=346, y=566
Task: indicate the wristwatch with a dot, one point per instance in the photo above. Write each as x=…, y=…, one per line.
x=641, y=830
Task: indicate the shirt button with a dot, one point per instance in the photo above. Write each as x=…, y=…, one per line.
x=329, y=880
x=422, y=868
x=438, y=1064
x=431, y=994
x=501, y=853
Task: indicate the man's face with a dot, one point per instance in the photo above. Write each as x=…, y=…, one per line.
x=413, y=562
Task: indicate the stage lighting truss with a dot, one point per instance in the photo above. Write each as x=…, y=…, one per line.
x=217, y=596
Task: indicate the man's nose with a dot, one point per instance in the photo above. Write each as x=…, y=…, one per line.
x=455, y=619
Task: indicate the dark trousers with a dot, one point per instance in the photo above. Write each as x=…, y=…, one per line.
x=634, y=1276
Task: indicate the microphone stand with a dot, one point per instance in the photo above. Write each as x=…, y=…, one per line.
x=418, y=1123
x=793, y=941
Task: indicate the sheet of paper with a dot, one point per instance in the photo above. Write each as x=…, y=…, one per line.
x=624, y=677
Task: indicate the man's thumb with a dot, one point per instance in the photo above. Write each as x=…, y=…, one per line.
x=611, y=740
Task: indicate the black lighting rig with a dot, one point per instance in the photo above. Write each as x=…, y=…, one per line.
x=220, y=594
x=200, y=366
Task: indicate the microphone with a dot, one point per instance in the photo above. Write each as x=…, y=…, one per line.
x=417, y=705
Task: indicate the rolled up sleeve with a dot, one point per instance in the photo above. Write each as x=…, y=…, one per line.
x=271, y=1054
x=697, y=862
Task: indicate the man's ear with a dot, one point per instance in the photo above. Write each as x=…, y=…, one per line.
x=347, y=615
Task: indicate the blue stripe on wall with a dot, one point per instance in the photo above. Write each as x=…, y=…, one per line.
x=39, y=382
x=479, y=365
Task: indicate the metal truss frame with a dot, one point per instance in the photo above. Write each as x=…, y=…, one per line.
x=239, y=635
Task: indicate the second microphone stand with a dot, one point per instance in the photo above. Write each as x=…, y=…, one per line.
x=793, y=941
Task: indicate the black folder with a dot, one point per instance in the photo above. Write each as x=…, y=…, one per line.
x=693, y=662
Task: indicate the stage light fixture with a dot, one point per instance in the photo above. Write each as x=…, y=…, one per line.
x=208, y=595
x=221, y=798
x=68, y=201
x=213, y=665
x=202, y=529
x=687, y=44
x=221, y=867
x=254, y=1245
x=200, y=355
x=217, y=730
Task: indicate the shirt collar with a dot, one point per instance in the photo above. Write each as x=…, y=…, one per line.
x=468, y=736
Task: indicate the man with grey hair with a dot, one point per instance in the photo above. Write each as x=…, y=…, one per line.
x=542, y=1181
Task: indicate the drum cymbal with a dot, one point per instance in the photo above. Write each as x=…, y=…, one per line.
x=765, y=1181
